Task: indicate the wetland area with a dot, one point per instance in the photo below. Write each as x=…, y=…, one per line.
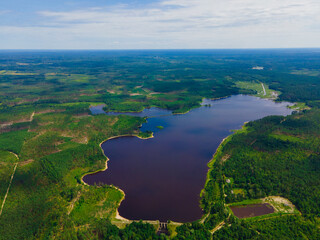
x=162, y=177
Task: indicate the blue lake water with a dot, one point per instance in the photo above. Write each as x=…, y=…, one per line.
x=162, y=177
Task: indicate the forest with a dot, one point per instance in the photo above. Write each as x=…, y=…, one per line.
x=49, y=139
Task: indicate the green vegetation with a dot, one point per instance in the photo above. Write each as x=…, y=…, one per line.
x=285, y=227
x=274, y=156
x=192, y=231
x=45, y=120
x=145, y=135
x=257, y=89
x=7, y=157
x=267, y=158
x=299, y=107
x=137, y=230
x=47, y=193
x=308, y=72
x=246, y=202
x=13, y=141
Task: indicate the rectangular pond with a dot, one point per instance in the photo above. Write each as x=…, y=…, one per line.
x=252, y=210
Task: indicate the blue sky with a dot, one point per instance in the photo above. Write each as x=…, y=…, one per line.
x=162, y=24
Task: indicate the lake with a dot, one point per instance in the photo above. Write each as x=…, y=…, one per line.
x=162, y=177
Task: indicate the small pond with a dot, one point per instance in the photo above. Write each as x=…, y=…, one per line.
x=252, y=210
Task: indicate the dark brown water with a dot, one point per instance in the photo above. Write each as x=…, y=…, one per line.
x=252, y=210
x=162, y=177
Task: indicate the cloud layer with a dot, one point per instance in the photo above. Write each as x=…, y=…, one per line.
x=173, y=24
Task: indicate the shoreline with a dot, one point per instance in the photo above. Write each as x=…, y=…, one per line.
x=210, y=162
x=200, y=104
x=118, y=216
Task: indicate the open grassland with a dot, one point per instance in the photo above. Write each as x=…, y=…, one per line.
x=308, y=72
x=258, y=89
x=299, y=106
x=15, y=73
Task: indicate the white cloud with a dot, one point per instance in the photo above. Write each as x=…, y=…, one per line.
x=182, y=24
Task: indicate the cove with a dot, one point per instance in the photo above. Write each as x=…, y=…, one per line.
x=162, y=177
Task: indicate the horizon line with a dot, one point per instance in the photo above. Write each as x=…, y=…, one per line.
x=153, y=49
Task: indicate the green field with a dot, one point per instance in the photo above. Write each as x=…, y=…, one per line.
x=258, y=89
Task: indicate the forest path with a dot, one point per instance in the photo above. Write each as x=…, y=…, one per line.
x=264, y=90
x=73, y=202
x=220, y=225
x=5, y=197
x=31, y=117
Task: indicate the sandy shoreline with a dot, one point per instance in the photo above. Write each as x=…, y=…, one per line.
x=118, y=216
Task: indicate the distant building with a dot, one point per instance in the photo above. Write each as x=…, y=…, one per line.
x=258, y=68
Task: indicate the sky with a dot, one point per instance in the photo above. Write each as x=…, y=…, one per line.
x=160, y=24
